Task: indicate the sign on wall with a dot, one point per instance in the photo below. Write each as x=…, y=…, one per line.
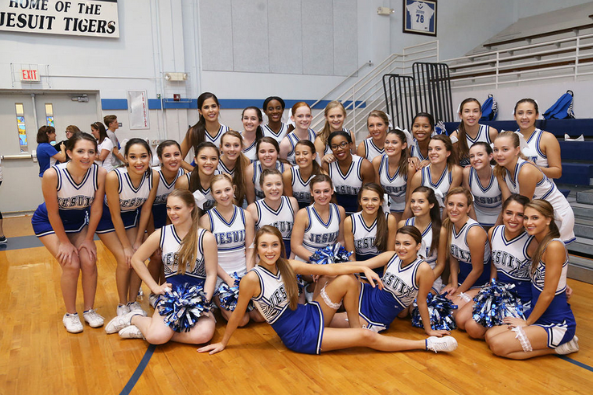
x=138, y=110
x=96, y=18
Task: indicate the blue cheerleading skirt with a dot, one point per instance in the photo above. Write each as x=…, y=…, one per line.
x=159, y=215
x=287, y=247
x=130, y=220
x=522, y=288
x=348, y=202
x=74, y=220
x=466, y=268
x=301, y=330
x=558, y=319
x=378, y=307
x=364, y=257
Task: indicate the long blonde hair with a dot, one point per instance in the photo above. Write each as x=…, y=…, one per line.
x=547, y=210
x=240, y=165
x=188, y=249
x=324, y=133
x=219, y=177
x=447, y=223
x=499, y=171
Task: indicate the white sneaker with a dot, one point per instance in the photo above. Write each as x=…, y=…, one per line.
x=131, y=332
x=135, y=306
x=568, y=347
x=93, y=318
x=153, y=299
x=441, y=344
x=119, y=322
x=122, y=310
x=72, y=323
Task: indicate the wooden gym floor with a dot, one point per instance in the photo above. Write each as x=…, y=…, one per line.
x=37, y=355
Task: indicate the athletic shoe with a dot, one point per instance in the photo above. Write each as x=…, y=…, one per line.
x=568, y=347
x=442, y=344
x=72, y=323
x=135, y=306
x=153, y=299
x=119, y=322
x=131, y=332
x=3, y=240
x=122, y=310
x=93, y=318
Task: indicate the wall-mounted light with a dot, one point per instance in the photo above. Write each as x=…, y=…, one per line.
x=385, y=11
x=175, y=76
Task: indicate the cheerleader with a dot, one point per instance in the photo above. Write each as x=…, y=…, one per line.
x=252, y=131
x=233, y=229
x=233, y=162
x=550, y=325
x=371, y=231
x=470, y=131
x=512, y=249
x=181, y=242
x=301, y=116
x=465, y=244
x=105, y=146
x=335, y=115
x=273, y=287
x=374, y=146
x=198, y=180
x=274, y=109
x=349, y=172
x=274, y=209
x=130, y=192
x=207, y=129
x=422, y=129
x=543, y=147
x=169, y=153
x=442, y=174
x=394, y=171
x=427, y=219
x=297, y=178
x=479, y=178
x=267, y=158
x=516, y=175
x=72, y=191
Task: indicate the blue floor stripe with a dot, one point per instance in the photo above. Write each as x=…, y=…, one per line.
x=24, y=242
x=575, y=362
x=139, y=370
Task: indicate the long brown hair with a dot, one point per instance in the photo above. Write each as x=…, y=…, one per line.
x=197, y=133
x=316, y=168
x=499, y=171
x=188, y=249
x=324, y=133
x=462, y=147
x=194, y=178
x=241, y=164
x=405, y=154
x=447, y=223
x=449, y=147
x=547, y=210
x=435, y=215
x=382, y=223
x=286, y=271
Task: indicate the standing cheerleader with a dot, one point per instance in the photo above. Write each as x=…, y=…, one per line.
x=301, y=116
x=252, y=131
x=62, y=223
x=182, y=242
x=543, y=147
x=233, y=162
x=550, y=326
x=169, y=153
x=422, y=129
x=272, y=285
x=349, y=172
x=516, y=175
x=479, y=178
x=129, y=193
x=207, y=129
x=374, y=146
x=394, y=172
x=371, y=231
x=443, y=173
x=335, y=115
x=105, y=146
x=274, y=109
x=274, y=209
x=512, y=249
x=297, y=178
x=470, y=131
x=233, y=229
x=198, y=180
x=267, y=158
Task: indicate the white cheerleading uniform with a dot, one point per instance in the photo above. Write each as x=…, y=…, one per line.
x=301, y=189
x=257, y=171
x=415, y=151
x=546, y=189
x=533, y=151
x=371, y=150
x=216, y=139
x=513, y=264
x=395, y=186
x=427, y=255
x=223, y=169
x=487, y=199
x=347, y=185
x=159, y=208
x=460, y=251
x=277, y=136
x=319, y=234
x=483, y=136
x=203, y=198
x=364, y=237
x=294, y=139
x=441, y=187
x=250, y=152
x=170, y=244
x=282, y=219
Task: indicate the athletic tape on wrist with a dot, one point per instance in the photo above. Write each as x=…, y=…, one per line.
x=522, y=337
x=328, y=301
x=465, y=297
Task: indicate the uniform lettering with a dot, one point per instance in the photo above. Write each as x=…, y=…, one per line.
x=323, y=238
x=230, y=237
x=348, y=190
x=79, y=201
x=510, y=264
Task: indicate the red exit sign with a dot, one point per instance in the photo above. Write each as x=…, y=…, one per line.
x=30, y=75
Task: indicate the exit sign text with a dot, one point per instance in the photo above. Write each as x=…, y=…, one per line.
x=30, y=75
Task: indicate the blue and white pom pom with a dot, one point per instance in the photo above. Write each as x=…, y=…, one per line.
x=331, y=254
x=183, y=306
x=229, y=295
x=440, y=310
x=495, y=302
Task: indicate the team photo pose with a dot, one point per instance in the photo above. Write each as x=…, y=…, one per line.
x=516, y=175
x=301, y=116
x=297, y=178
x=199, y=179
x=189, y=256
x=470, y=131
x=267, y=158
x=374, y=146
x=335, y=115
x=67, y=229
x=233, y=162
x=252, y=131
x=304, y=328
x=550, y=325
x=348, y=172
x=105, y=146
x=130, y=192
x=273, y=108
x=422, y=130
x=274, y=209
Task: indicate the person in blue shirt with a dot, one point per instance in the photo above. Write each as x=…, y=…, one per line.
x=47, y=155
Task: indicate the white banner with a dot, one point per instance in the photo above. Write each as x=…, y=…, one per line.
x=138, y=110
x=79, y=18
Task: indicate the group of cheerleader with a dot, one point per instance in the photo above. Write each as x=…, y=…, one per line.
x=421, y=213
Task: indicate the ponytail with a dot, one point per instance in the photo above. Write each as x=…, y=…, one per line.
x=188, y=249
